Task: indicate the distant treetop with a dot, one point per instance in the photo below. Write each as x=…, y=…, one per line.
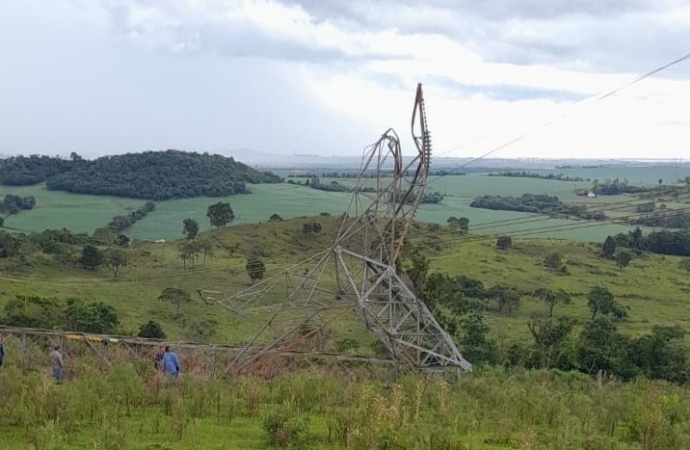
x=149, y=175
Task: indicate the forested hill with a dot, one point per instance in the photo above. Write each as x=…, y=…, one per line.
x=149, y=175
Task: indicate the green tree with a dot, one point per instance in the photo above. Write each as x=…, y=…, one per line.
x=190, y=228
x=504, y=242
x=553, y=298
x=550, y=342
x=256, y=269
x=507, y=299
x=463, y=225
x=275, y=218
x=553, y=260
x=206, y=247
x=601, y=300
x=188, y=250
x=151, y=330
x=104, y=235
x=32, y=312
x=176, y=297
x=90, y=317
x=311, y=228
x=2, y=222
x=220, y=214
x=474, y=341
x=115, y=259
x=623, y=258
x=608, y=249
x=91, y=257
x=662, y=355
x=602, y=348
x=122, y=240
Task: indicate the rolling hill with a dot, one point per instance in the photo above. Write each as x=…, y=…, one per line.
x=150, y=175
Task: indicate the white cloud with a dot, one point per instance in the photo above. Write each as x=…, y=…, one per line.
x=328, y=76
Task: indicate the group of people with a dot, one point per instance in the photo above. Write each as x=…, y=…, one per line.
x=165, y=361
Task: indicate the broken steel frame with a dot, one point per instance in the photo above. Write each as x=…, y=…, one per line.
x=29, y=348
x=364, y=257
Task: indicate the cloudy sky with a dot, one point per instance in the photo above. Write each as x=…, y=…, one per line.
x=328, y=76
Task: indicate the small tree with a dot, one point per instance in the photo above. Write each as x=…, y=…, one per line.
x=115, y=259
x=623, y=258
x=206, y=247
x=220, y=214
x=190, y=228
x=463, y=225
x=504, y=242
x=507, y=299
x=188, y=251
x=275, y=218
x=91, y=257
x=553, y=260
x=256, y=269
x=608, y=249
x=176, y=297
x=151, y=330
x=552, y=298
x=311, y=228
x=601, y=300
x=90, y=317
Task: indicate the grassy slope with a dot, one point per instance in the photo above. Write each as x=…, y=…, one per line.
x=654, y=288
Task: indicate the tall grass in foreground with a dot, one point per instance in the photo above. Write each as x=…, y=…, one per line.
x=131, y=408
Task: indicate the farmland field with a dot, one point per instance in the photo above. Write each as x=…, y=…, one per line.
x=85, y=213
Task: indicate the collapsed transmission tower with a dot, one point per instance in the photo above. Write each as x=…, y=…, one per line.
x=359, y=272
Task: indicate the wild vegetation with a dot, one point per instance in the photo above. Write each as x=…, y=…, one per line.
x=131, y=408
x=148, y=175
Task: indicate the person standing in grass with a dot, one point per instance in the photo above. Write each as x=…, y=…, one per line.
x=171, y=363
x=158, y=360
x=2, y=354
x=56, y=363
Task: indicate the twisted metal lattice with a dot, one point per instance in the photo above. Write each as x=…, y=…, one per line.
x=363, y=259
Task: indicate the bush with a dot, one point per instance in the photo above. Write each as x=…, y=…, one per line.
x=285, y=427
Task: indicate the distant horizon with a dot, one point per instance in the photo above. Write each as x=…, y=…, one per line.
x=234, y=153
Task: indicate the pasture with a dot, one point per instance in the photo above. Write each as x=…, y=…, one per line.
x=654, y=287
x=85, y=213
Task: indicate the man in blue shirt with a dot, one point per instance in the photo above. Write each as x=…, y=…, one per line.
x=171, y=363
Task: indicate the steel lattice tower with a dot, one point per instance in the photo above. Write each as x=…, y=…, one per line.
x=364, y=260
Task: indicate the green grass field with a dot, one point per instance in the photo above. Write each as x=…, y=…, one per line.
x=130, y=408
x=85, y=213
x=654, y=288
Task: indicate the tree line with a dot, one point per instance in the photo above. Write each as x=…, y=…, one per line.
x=525, y=174
x=530, y=203
x=148, y=175
x=663, y=242
x=13, y=204
x=589, y=346
x=334, y=186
